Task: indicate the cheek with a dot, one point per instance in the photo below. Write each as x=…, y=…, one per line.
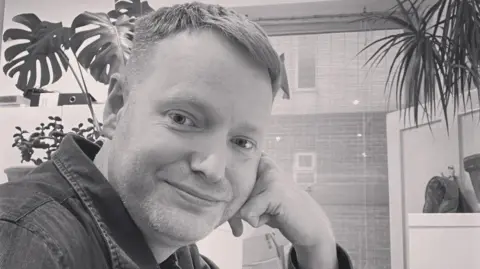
x=242, y=183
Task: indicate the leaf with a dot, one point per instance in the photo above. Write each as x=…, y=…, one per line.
x=440, y=69
x=80, y=125
x=131, y=8
x=50, y=117
x=40, y=145
x=76, y=130
x=57, y=118
x=34, y=135
x=90, y=120
x=111, y=50
x=43, y=43
x=57, y=134
x=37, y=161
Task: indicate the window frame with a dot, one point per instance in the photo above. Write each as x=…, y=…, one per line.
x=295, y=178
x=297, y=87
x=296, y=161
x=318, y=17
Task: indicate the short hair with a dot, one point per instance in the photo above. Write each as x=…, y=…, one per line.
x=167, y=21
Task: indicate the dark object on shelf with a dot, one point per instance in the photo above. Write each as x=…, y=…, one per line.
x=63, y=98
x=74, y=99
x=14, y=101
x=472, y=167
x=33, y=94
x=443, y=195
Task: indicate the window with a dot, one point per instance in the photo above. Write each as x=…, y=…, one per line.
x=334, y=141
x=308, y=178
x=304, y=172
x=305, y=161
x=306, y=63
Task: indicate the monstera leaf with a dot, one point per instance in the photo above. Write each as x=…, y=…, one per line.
x=132, y=8
x=44, y=42
x=109, y=52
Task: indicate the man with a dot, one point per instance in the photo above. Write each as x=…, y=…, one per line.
x=184, y=125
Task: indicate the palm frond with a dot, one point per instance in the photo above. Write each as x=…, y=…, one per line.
x=436, y=60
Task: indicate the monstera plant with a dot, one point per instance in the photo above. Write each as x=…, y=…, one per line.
x=46, y=43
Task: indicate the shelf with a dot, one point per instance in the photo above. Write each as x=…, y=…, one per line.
x=420, y=220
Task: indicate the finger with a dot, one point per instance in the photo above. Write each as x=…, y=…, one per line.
x=236, y=225
x=257, y=222
x=266, y=163
x=264, y=219
x=258, y=206
x=265, y=175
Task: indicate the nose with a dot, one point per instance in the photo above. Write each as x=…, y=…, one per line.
x=211, y=165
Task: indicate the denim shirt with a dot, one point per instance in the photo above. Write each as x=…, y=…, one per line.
x=65, y=214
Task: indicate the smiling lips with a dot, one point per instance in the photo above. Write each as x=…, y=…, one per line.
x=201, y=194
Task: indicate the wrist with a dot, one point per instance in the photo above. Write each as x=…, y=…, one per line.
x=317, y=256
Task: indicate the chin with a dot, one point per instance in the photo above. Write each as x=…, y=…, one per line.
x=180, y=228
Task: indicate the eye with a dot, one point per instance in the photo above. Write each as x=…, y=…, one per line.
x=181, y=119
x=244, y=143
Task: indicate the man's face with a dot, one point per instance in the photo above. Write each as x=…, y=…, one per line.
x=188, y=138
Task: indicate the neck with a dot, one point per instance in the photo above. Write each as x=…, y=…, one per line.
x=161, y=253
x=159, y=250
x=101, y=159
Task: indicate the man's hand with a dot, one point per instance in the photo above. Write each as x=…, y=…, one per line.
x=281, y=204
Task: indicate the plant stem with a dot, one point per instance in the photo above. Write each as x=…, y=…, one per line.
x=84, y=90
x=94, y=118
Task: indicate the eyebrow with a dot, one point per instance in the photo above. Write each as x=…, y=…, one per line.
x=204, y=107
x=249, y=128
x=195, y=103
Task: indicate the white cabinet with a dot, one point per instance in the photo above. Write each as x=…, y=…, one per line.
x=444, y=241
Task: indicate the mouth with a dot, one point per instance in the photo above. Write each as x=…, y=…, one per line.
x=195, y=194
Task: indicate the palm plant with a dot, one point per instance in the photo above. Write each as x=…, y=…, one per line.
x=46, y=43
x=436, y=57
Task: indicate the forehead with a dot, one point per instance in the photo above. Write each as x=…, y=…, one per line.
x=206, y=68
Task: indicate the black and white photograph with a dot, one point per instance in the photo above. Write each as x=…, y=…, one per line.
x=240, y=134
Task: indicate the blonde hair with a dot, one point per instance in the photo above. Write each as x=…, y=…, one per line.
x=168, y=21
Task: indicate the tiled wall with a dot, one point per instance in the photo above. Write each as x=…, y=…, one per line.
x=351, y=186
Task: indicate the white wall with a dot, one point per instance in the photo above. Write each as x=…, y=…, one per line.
x=54, y=11
x=415, y=155
x=428, y=153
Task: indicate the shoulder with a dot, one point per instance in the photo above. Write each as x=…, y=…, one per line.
x=43, y=210
x=22, y=248
x=30, y=197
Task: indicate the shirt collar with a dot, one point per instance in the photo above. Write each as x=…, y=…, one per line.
x=74, y=159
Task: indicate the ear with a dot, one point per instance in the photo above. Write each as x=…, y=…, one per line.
x=114, y=105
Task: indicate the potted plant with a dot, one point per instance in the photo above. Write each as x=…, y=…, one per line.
x=47, y=42
x=44, y=140
x=435, y=58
